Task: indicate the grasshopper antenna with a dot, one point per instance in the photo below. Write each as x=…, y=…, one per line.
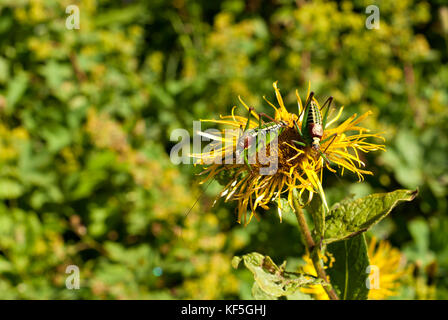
x=199, y=198
x=194, y=204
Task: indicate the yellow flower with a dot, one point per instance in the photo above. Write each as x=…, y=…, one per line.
x=299, y=167
x=316, y=290
x=389, y=263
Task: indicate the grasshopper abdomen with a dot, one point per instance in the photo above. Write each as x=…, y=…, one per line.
x=314, y=125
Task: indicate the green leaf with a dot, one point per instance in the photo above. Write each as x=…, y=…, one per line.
x=348, y=273
x=55, y=74
x=236, y=261
x=16, y=88
x=419, y=249
x=351, y=217
x=271, y=279
x=4, y=70
x=259, y=294
x=56, y=136
x=10, y=189
x=299, y=295
x=121, y=15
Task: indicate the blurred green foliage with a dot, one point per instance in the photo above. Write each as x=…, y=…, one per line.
x=86, y=117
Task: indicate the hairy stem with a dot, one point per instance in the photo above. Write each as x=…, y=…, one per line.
x=312, y=249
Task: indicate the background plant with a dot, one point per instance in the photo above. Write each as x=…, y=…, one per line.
x=86, y=116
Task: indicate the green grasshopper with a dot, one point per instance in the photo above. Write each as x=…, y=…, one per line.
x=311, y=131
x=313, y=125
x=270, y=130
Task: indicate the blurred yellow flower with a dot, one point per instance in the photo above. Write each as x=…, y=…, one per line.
x=387, y=259
x=390, y=264
x=299, y=167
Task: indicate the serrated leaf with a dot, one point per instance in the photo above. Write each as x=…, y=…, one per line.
x=351, y=217
x=273, y=280
x=348, y=273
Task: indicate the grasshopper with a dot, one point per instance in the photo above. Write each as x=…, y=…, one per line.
x=313, y=125
x=270, y=130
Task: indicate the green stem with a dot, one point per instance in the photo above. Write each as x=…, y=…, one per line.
x=312, y=249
